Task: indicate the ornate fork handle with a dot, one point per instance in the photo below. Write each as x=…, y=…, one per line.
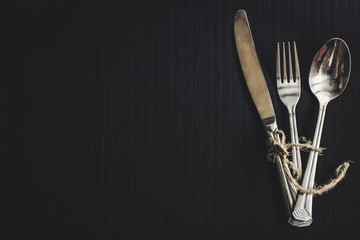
x=295, y=139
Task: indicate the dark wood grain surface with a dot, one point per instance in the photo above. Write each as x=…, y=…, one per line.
x=132, y=120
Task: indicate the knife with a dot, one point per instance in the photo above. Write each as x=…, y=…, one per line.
x=259, y=92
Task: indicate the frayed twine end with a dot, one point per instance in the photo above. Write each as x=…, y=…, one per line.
x=279, y=149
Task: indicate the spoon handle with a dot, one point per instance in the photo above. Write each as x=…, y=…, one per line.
x=303, y=208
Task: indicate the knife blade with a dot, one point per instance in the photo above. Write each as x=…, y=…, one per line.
x=259, y=92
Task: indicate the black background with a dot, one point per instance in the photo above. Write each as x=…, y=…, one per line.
x=132, y=120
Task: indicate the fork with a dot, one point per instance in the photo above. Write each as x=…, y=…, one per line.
x=289, y=90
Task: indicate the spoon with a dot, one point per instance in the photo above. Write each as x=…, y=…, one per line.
x=329, y=75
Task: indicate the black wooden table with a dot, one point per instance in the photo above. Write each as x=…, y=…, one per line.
x=132, y=120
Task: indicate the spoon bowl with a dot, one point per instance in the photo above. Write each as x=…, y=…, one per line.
x=330, y=70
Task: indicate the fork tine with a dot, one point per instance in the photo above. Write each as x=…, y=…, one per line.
x=284, y=64
x=278, y=71
x=291, y=76
x=297, y=68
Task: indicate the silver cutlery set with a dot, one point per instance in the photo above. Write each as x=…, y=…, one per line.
x=329, y=75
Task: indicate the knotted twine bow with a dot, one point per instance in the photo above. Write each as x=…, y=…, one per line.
x=279, y=148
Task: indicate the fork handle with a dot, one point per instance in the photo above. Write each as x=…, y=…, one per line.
x=296, y=157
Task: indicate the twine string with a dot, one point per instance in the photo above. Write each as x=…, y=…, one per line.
x=278, y=148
